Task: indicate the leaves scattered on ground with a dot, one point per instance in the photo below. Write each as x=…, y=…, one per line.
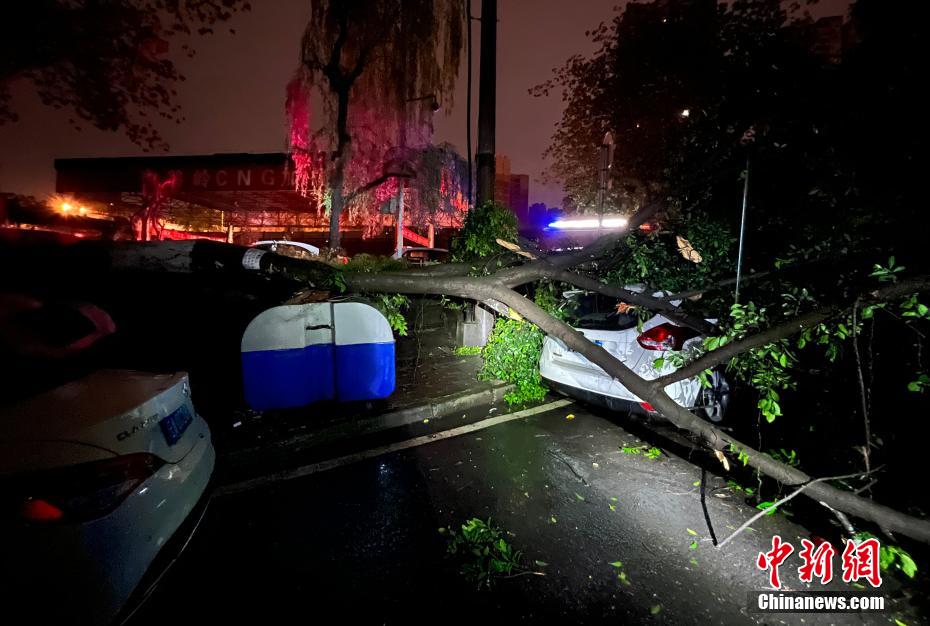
x=650, y=452
x=621, y=575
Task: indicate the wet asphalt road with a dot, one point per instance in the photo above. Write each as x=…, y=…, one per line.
x=359, y=543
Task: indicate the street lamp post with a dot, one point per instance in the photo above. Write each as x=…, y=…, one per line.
x=487, y=98
x=434, y=106
x=606, y=160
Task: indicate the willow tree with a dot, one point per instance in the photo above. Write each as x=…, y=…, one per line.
x=378, y=65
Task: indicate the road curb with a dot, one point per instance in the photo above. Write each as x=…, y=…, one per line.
x=232, y=488
x=434, y=409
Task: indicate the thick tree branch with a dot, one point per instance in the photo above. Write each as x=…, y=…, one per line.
x=374, y=183
x=784, y=330
x=210, y=256
x=720, y=283
x=333, y=68
x=656, y=305
x=479, y=288
x=756, y=340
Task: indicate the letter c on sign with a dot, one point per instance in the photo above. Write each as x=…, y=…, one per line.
x=221, y=178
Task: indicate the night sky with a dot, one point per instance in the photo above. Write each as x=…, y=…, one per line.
x=233, y=98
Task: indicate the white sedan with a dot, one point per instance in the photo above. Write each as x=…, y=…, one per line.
x=103, y=475
x=598, y=319
x=284, y=247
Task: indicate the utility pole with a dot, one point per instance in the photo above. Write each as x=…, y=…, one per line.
x=742, y=231
x=606, y=159
x=470, y=154
x=399, y=244
x=487, y=100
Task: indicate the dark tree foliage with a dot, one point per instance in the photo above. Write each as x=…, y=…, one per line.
x=832, y=143
x=103, y=61
x=828, y=117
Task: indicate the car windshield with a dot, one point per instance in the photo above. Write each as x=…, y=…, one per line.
x=597, y=312
x=295, y=252
x=289, y=250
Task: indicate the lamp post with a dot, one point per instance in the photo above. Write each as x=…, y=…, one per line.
x=487, y=98
x=606, y=160
x=434, y=106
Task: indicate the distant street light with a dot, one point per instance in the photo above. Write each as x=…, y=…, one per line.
x=65, y=207
x=686, y=112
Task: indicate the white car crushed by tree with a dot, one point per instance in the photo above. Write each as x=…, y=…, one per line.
x=651, y=347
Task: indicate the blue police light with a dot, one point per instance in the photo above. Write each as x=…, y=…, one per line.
x=589, y=223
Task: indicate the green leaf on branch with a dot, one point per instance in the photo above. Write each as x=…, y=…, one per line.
x=512, y=355
x=762, y=506
x=919, y=385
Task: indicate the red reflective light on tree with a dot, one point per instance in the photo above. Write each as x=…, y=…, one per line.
x=647, y=407
x=665, y=337
x=41, y=511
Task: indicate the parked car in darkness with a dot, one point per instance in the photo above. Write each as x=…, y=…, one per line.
x=293, y=249
x=103, y=473
x=425, y=256
x=617, y=331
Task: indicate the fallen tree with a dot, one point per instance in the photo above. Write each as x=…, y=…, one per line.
x=209, y=256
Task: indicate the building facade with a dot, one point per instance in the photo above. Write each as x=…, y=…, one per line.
x=511, y=190
x=240, y=198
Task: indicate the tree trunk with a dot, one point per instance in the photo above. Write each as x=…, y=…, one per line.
x=212, y=256
x=340, y=158
x=337, y=201
x=481, y=289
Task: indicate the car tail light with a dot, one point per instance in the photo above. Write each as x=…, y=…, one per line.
x=665, y=337
x=38, y=510
x=647, y=407
x=79, y=492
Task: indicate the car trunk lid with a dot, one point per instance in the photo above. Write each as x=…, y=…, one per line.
x=119, y=411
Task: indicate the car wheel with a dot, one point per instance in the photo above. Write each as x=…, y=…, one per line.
x=715, y=399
